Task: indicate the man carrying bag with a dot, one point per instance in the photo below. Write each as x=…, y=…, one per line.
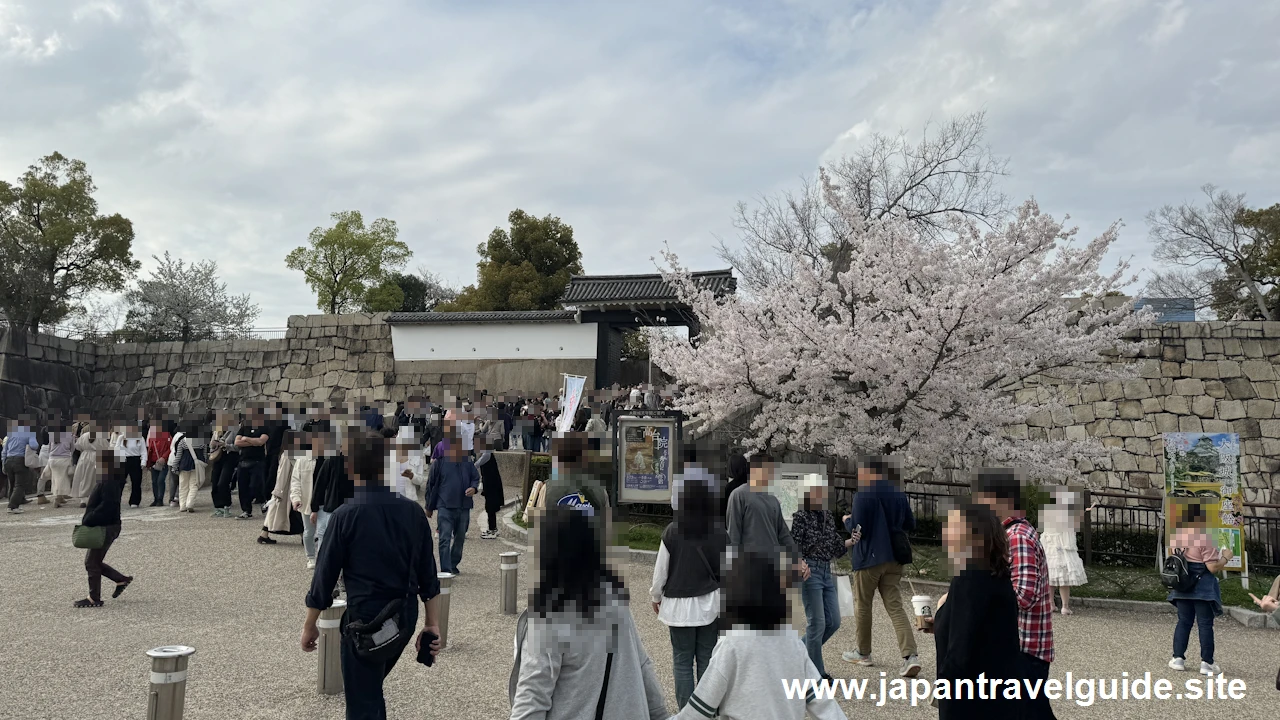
x=381, y=544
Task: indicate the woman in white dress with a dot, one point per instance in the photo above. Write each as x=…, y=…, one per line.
x=1059, y=521
x=92, y=440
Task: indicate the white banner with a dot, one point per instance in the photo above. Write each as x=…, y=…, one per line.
x=573, y=385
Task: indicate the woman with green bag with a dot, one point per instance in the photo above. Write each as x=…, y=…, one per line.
x=103, y=511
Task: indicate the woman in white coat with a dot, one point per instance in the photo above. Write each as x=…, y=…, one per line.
x=408, y=476
x=92, y=441
x=302, y=480
x=279, y=520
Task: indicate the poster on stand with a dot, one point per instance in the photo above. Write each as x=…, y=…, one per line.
x=788, y=485
x=1204, y=469
x=646, y=458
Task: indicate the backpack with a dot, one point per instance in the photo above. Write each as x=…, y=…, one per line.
x=1175, y=574
x=188, y=461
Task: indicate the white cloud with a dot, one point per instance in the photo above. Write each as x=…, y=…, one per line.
x=230, y=128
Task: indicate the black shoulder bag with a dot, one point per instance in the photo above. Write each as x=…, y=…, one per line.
x=381, y=638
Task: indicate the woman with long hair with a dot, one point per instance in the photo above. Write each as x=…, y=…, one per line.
x=580, y=656
x=976, y=625
x=686, y=584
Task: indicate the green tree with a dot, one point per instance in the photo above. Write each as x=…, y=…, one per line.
x=1229, y=296
x=346, y=265
x=386, y=296
x=186, y=302
x=524, y=269
x=55, y=247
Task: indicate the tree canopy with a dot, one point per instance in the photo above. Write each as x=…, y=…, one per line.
x=526, y=268
x=55, y=247
x=186, y=302
x=919, y=346
x=348, y=265
x=1225, y=255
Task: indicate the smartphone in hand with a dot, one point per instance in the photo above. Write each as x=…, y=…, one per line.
x=424, y=651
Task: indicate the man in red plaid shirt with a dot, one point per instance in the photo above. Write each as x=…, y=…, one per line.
x=1001, y=490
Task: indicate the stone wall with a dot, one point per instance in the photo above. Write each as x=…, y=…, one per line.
x=1194, y=377
x=42, y=371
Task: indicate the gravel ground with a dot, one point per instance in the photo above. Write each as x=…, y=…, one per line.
x=205, y=583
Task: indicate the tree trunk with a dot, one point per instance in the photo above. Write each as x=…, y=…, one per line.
x=1255, y=293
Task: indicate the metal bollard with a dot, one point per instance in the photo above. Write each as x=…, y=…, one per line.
x=446, y=582
x=329, y=667
x=509, y=572
x=168, y=693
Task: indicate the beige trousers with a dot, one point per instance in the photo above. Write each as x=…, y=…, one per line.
x=189, y=482
x=885, y=578
x=61, y=470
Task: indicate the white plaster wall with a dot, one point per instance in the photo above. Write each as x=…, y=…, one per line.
x=496, y=341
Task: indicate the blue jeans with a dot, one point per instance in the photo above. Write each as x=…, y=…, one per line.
x=362, y=679
x=1201, y=613
x=821, y=607
x=157, y=483
x=452, y=526
x=322, y=524
x=690, y=644
x=309, y=534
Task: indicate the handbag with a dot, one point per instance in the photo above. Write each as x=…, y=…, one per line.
x=32, y=459
x=381, y=639
x=844, y=591
x=88, y=538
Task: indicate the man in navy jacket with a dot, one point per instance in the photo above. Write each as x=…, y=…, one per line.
x=879, y=509
x=451, y=483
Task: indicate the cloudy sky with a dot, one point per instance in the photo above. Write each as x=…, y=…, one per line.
x=231, y=128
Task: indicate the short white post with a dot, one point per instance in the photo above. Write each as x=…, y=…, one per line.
x=509, y=573
x=329, y=666
x=446, y=583
x=168, y=694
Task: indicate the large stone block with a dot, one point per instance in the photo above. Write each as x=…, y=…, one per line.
x=1215, y=426
x=1270, y=429
x=1105, y=409
x=1177, y=404
x=1189, y=386
x=1230, y=409
x=1215, y=389
x=1259, y=409
x=1228, y=369
x=1247, y=429
x=1166, y=423
x=1204, y=370
x=1136, y=389
x=1189, y=423
x=1130, y=410
x=1090, y=392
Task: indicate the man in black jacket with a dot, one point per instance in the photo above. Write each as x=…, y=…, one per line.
x=381, y=544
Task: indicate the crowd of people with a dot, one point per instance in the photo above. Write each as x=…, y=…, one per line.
x=360, y=485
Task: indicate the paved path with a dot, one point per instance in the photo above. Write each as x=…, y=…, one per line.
x=205, y=583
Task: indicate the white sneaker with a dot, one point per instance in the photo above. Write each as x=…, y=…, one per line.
x=135, y=507
x=16, y=511
x=857, y=658
x=1178, y=664
x=311, y=564
x=911, y=666
x=1209, y=669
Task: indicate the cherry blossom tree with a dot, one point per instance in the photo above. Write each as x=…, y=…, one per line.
x=898, y=341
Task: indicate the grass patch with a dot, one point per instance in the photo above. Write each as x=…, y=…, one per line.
x=643, y=536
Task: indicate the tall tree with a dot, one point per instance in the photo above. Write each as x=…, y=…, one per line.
x=186, y=302
x=345, y=263
x=1217, y=236
x=55, y=247
x=435, y=289
x=524, y=269
x=949, y=174
x=918, y=348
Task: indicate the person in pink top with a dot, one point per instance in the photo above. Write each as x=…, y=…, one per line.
x=1203, y=602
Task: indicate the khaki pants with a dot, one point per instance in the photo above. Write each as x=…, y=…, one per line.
x=189, y=484
x=884, y=577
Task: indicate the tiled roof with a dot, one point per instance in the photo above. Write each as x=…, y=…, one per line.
x=624, y=289
x=516, y=316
